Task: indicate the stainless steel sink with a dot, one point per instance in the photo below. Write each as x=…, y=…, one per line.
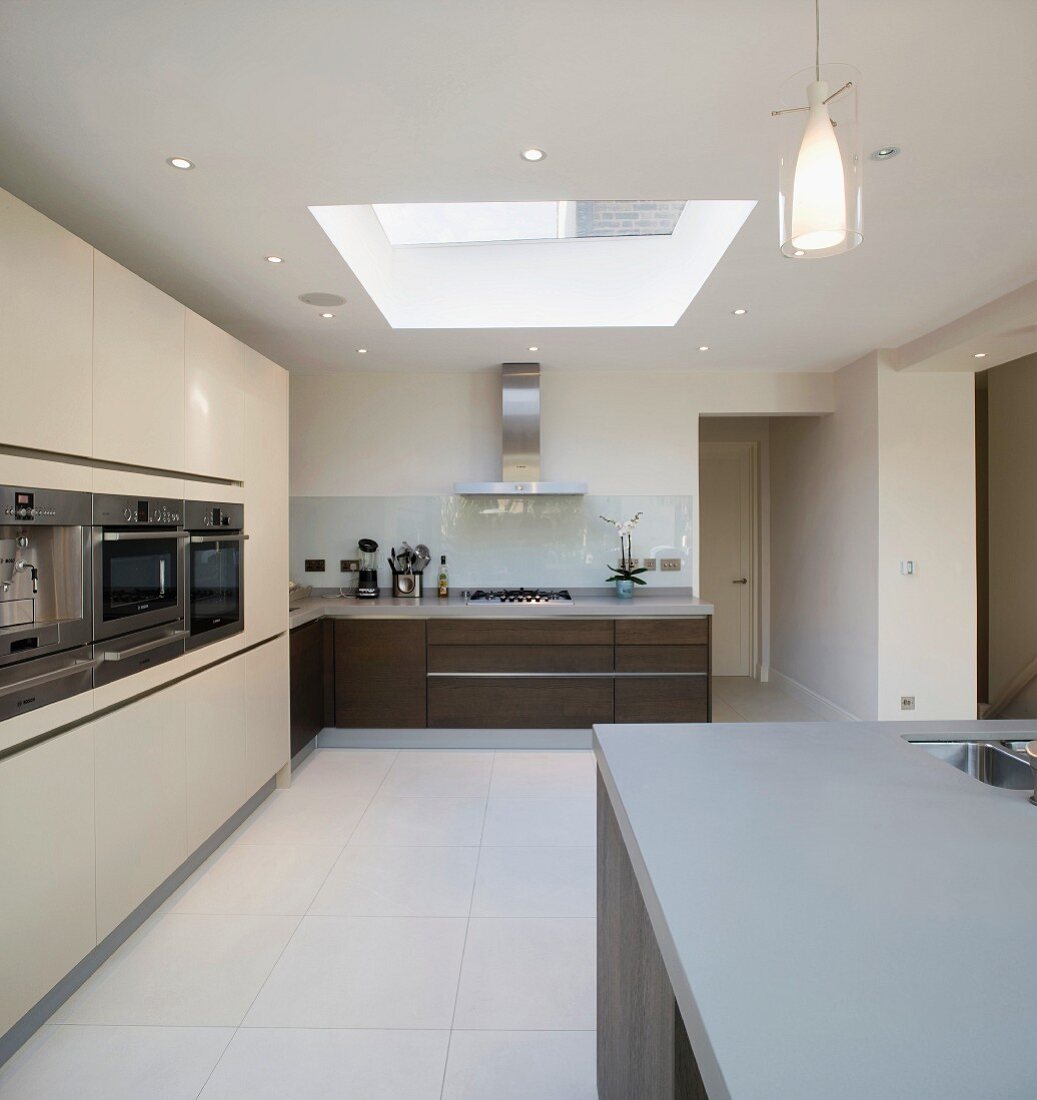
x=996, y=763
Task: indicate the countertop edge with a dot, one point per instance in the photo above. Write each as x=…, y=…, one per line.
x=708, y=1064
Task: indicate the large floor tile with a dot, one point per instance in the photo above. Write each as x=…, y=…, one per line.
x=533, y=822
x=113, y=1063
x=439, y=773
x=427, y=822
x=183, y=970
x=536, y=882
x=521, y=975
x=260, y=878
x=543, y=774
x=520, y=1065
x=399, y=882
x=297, y=816
x=351, y=773
x=724, y=712
x=340, y=1064
x=381, y=972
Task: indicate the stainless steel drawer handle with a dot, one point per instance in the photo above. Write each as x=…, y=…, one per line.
x=126, y=654
x=566, y=675
x=219, y=538
x=48, y=677
x=139, y=536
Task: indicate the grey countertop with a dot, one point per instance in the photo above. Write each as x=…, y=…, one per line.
x=840, y=913
x=596, y=602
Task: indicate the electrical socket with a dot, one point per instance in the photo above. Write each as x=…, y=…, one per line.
x=649, y=564
x=634, y=563
x=314, y=565
x=907, y=702
x=671, y=565
x=349, y=565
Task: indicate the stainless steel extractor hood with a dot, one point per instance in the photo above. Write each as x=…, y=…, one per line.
x=520, y=441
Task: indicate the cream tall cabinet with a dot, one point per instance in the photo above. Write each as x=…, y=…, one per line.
x=266, y=498
x=214, y=370
x=46, y=306
x=46, y=868
x=267, y=717
x=138, y=391
x=140, y=767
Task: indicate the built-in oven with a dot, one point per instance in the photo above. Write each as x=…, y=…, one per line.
x=215, y=570
x=140, y=590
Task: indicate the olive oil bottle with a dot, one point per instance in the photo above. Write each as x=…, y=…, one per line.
x=444, y=580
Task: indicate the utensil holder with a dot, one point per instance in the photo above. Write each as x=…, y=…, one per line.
x=407, y=585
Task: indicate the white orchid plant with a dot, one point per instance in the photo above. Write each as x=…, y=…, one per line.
x=625, y=570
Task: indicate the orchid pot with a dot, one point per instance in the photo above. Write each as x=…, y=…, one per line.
x=625, y=574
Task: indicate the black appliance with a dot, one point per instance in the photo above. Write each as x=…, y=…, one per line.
x=215, y=571
x=367, y=579
x=140, y=594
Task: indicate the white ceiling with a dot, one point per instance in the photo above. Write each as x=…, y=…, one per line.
x=286, y=104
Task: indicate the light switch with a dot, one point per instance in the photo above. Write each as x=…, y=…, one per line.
x=907, y=567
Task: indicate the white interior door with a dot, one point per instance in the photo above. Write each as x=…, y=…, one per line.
x=726, y=552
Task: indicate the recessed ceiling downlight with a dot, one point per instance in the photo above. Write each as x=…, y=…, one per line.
x=180, y=162
x=704, y=347
x=887, y=152
x=361, y=351
x=327, y=316
x=275, y=259
x=741, y=311
x=319, y=298
x=980, y=355
x=533, y=154
x=532, y=347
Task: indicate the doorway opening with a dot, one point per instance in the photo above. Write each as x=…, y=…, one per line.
x=734, y=537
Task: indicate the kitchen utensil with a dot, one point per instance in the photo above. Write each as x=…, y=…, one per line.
x=424, y=557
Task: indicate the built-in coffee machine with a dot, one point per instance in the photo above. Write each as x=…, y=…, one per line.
x=45, y=598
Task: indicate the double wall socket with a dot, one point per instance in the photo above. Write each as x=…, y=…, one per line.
x=349, y=565
x=907, y=702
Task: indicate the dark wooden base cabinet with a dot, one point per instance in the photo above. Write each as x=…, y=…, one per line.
x=311, y=683
x=510, y=673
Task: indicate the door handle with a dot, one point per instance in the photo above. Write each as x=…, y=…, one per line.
x=744, y=580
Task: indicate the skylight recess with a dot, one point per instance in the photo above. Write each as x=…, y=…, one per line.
x=439, y=223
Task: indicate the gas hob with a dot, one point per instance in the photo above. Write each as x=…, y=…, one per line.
x=519, y=595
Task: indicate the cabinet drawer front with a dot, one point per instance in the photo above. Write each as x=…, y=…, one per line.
x=520, y=658
x=662, y=658
x=520, y=632
x=521, y=703
x=387, y=646
x=666, y=699
x=382, y=703
x=662, y=631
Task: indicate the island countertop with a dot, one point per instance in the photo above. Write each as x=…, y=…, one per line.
x=599, y=603
x=840, y=914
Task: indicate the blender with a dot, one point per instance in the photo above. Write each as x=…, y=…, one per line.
x=367, y=579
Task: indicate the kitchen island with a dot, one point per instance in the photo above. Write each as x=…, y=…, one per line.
x=811, y=911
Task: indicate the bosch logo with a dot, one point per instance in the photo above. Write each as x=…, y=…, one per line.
x=143, y=606
x=26, y=701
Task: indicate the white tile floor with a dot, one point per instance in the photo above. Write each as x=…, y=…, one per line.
x=395, y=926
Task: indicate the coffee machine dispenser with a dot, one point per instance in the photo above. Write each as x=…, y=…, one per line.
x=367, y=580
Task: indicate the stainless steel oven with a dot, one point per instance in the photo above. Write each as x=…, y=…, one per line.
x=140, y=592
x=45, y=597
x=215, y=570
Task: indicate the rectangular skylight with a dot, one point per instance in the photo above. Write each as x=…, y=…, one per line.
x=438, y=223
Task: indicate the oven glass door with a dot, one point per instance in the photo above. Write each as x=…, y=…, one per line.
x=139, y=577
x=215, y=596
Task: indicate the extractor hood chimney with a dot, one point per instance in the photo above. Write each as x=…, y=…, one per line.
x=520, y=457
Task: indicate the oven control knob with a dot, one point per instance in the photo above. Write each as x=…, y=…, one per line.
x=128, y=513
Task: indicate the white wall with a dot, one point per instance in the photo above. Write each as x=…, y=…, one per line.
x=824, y=549
x=889, y=476
x=371, y=434
x=1012, y=412
x=740, y=429
x=927, y=513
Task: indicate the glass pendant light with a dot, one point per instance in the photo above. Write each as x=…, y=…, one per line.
x=820, y=166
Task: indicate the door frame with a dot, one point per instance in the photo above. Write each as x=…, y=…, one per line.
x=756, y=671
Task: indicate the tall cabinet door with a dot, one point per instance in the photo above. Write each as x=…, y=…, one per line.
x=266, y=712
x=215, y=748
x=138, y=398
x=141, y=778
x=266, y=498
x=46, y=296
x=215, y=406
x=46, y=868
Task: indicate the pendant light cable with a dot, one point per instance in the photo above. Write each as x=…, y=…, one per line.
x=817, y=39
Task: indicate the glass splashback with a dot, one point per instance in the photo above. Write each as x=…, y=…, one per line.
x=542, y=542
